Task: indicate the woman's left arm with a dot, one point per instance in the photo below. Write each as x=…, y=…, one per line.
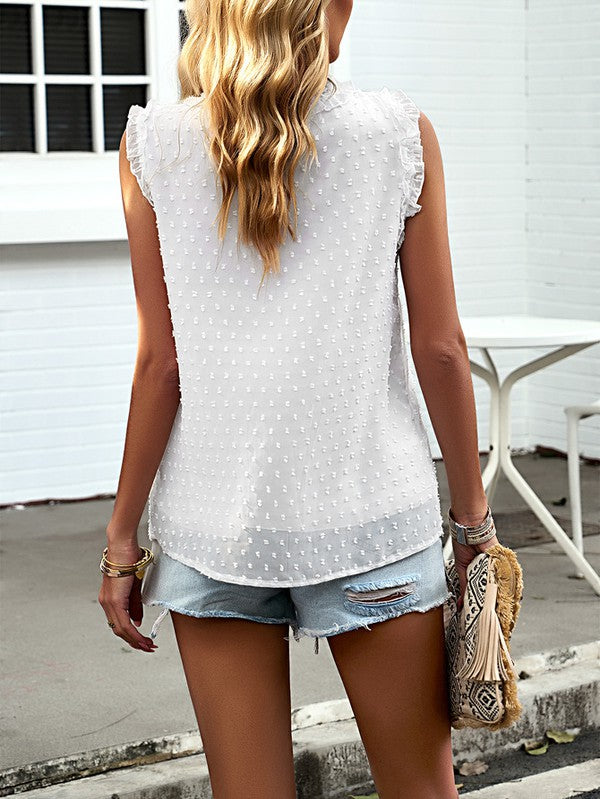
x=155, y=387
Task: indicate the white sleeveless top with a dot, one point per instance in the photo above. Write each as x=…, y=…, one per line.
x=298, y=453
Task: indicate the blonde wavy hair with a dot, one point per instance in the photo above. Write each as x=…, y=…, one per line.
x=261, y=65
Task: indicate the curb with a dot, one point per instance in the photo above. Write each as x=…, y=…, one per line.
x=558, y=688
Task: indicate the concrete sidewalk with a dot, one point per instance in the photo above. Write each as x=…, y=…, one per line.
x=70, y=688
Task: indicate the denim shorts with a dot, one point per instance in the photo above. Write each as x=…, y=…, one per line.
x=417, y=582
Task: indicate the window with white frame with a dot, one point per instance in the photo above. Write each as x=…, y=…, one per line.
x=69, y=71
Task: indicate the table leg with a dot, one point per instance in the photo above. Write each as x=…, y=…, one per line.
x=519, y=482
x=492, y=468
x=573, y=420
x=500, y=456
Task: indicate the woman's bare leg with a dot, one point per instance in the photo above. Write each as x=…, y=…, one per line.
x=237, y=672
x=394, y=675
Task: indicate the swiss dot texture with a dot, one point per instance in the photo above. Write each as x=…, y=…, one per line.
x=298, y=453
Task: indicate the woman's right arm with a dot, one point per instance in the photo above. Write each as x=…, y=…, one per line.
x=438, y=344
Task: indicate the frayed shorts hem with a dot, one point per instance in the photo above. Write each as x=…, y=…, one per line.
x=297, y=632
x=210, y=614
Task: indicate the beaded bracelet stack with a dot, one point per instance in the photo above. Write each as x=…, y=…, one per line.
x=126, y=569
x=471, y=536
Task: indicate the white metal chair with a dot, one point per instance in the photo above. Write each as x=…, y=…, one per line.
x=575, y=413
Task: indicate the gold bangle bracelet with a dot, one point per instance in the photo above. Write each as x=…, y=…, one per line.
x=145, y=557
x=128, y=573
x=126, y=569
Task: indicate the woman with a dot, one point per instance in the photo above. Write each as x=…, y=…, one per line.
x=273, y=422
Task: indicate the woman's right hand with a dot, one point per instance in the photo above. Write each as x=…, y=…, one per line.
x=120, y=598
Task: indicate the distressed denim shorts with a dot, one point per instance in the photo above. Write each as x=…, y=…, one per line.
x=417, y=582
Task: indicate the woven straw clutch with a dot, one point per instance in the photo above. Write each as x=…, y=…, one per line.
x=481, y=675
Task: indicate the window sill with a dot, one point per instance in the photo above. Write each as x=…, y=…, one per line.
x=60, y=197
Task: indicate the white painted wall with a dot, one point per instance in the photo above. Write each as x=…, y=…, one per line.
x=67, y=307
x=463, y=63
x=68, y=351
x=563, y=203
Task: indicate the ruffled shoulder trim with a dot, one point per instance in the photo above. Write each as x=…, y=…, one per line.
x=406, y=114
x=139, y=119
x=334, y=93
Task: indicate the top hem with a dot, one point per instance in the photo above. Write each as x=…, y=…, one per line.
x=291, y=583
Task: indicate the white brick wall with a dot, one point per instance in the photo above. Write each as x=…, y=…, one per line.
x=563, y=203
x=522, y=237
x=68, y=350
x=463, y=63
x=512, y=90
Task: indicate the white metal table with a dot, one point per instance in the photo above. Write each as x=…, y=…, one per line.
x=568, y=336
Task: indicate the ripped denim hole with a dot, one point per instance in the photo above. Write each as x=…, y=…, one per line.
x=380, y=595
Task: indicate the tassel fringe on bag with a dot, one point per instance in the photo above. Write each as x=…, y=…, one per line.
x=482, y=680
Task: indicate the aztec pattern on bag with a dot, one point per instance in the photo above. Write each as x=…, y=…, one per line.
x=480, y=672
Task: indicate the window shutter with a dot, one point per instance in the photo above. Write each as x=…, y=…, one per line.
x=16, y=117
x=117, y=100
x=122, y=33
x=183, y=28
x=15, y=39
x=69, y=117
x=66, y=41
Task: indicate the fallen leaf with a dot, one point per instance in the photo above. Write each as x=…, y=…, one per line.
x=560, y=736
x=370, y=796
x=468, y=769
x=536, y=747
x=459, y=785
x=533, y=743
